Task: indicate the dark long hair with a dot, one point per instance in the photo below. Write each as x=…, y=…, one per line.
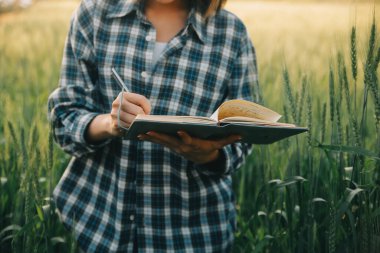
x=209, y=7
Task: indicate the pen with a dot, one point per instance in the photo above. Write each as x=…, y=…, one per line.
x=118, y=79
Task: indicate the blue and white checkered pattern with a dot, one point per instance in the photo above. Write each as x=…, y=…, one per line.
x=119, y=188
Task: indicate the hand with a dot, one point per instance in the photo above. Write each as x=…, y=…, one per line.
x=197, y=150
x=105, y=126
x=132, y=105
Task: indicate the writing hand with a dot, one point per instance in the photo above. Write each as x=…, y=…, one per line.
x=132, y=104
x=105, y=126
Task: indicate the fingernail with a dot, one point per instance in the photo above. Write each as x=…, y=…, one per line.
x=180, y=133
x=140, y=137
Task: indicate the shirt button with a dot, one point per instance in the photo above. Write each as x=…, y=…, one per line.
x=131, y=217
x=144, y=74
x=148, y=38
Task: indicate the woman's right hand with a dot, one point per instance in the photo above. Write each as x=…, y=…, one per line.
x=105, y=126
x=132, y=104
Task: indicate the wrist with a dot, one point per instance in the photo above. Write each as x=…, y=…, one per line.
x=216, y=166
x=99, y=129
x=213, y=156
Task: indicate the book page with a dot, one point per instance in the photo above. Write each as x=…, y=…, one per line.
x=250, y=121
x=236, y=108
x=214, y=116
x=175, y=119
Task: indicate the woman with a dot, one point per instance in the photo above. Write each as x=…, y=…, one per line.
x=163, y=193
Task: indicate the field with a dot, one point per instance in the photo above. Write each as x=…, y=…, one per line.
x=318, y=66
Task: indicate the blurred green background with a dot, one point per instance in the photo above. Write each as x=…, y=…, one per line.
x=318, y=66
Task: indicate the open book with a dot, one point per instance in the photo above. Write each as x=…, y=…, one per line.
x=254, y=123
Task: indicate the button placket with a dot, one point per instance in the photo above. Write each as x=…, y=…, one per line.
x=144, y=74
x=148, y=38
x=139, y=219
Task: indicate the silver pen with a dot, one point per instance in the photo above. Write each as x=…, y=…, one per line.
x=118, y=79
x=124, y=87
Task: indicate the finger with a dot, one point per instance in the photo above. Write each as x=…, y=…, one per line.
x=158, y=139
x=131, y=108
x=124, y=121
x=195, y=145
x=145, y=137
x=132, y=103
x=125, y=118
x=139, y=100
x=128, y=107
x=227, y=141
x=185, y=137
x=116, y=101
x=165, y=138
x=209, y=145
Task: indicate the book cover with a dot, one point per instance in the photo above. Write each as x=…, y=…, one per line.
x=254, y=123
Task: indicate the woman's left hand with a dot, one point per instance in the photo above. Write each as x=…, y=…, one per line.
x=197, y=150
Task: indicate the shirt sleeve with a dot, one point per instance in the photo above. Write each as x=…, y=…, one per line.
x=243, y=85
x=73, y=105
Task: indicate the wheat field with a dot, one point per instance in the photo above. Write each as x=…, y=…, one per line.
x=318, y=66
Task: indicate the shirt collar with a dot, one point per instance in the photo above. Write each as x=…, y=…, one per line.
x=198, y=24
x=124, y=7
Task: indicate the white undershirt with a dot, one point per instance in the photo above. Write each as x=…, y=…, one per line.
x=158, y=49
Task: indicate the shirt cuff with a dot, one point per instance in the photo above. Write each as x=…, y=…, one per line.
x=218, y=167
x=78, y=131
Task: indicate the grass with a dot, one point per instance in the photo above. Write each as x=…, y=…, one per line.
x=318, y=192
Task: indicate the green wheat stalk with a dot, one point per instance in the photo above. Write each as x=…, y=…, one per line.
x=370, y=76
x=297, y=101
x=50, y=161
x=286, y=119
x=371, y=43
x=332, y=94
x=339, y=125
x=332, y=230
x=289, y=94
x=339, y=142
x=351, y=114
x=323, y=120
x=33, y=140
x=346, y=89
x=26, y=187
x=302, y=99
x=309, y=120
x=377, y=59
x=354, y=63
x=348, y=141
x=13, y=134
x=364, y=231
x=340, y=76
x=371, y=81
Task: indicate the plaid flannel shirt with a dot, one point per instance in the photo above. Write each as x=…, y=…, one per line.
x=119, y=189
